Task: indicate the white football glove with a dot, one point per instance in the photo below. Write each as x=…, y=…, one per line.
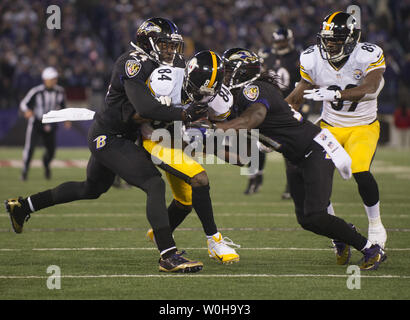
x=165, y=100
x=322, y=94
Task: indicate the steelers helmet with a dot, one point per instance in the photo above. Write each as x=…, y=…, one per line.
x=338, y=36
x=203, y=75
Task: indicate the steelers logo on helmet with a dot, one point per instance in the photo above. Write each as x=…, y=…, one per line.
x=132, y=67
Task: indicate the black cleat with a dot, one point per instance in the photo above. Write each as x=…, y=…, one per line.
x=254, y=184
x=177, y=263
x=373, y=257
x=17, y=214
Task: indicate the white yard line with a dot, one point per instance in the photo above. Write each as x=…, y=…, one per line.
x=202, y=248
x=245, y=275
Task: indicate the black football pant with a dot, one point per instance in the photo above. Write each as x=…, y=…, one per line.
x=310, y=184
x=36, y=130
x=116, y=155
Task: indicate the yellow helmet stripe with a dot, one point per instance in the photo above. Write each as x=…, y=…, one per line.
x=329, y=21
x=214, y=68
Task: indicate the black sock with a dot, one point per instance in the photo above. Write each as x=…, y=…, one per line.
x=164, y=239
x=176, y=215
x=201, y=201
x=368, y=189
x=42, y=200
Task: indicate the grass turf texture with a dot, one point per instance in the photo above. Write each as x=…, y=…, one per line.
x=102, y=251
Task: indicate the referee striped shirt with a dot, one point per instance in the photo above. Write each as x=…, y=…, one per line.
x=42, y=100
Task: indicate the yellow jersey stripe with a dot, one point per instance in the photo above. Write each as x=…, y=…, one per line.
x=305, y=76
x=378, y=61
x=376, y=66
x=148, y=83
x=214, y=68
x=329, y=21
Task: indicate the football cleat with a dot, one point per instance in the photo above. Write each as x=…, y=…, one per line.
x=17, y=214
x=342, y=251
x=372, y=258
x=220, y=250
x=150, y=236
x=378, y=235
x=254, y=184
x=178, y=263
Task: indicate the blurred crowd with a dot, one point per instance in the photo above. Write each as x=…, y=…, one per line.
x=93, y=33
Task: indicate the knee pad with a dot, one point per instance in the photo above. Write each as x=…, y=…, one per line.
x=201, y=179
x=93, y=191
x=180, y=206
x=154, y=184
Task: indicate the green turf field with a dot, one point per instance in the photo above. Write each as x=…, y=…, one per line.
x=101, y=249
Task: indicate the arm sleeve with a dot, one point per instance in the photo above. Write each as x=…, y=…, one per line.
x=28, y=101
x=145, y=104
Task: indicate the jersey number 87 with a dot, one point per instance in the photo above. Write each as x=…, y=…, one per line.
x=339, y=105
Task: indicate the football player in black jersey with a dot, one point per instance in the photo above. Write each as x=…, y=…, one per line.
x=261, y=106
x=282, y=62
x=112, y=136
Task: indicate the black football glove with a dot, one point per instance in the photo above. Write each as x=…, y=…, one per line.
x=195, y=111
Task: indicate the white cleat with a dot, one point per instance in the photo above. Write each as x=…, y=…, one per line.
x=377, y=235
x=220, y=250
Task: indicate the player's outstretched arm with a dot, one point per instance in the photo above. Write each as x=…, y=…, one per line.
x=295, y=98
x=251, y=118
x=368, y=89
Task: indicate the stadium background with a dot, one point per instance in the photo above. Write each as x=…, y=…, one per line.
x=94, y=33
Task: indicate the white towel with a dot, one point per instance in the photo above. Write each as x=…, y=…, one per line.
x=68, y=114
x=337, y=153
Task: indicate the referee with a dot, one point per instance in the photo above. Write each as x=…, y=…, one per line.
x=38, y=101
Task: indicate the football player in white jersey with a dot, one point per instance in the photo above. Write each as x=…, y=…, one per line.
x=347, y=76
x=200, y=81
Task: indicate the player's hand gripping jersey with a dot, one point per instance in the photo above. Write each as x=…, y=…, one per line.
x=365, y=58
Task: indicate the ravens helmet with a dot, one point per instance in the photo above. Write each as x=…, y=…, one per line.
x=283, y=41
x=242, y=66
x=203, y=75
x=160, y=40
x=338, y=36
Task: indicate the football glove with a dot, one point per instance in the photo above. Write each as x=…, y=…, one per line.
x=196, y=111
x=164, y=100
x=322, y=94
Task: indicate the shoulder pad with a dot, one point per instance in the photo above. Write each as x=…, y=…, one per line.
x=251, y=92
x=308, y=57
x=368, y=53
x=221, y=104
x=163, y=80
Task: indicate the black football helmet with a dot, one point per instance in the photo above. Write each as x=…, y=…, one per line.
x=242, y=66
x=204, y=75
x=160, y=40
x=338, y=36
x=283, y=41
